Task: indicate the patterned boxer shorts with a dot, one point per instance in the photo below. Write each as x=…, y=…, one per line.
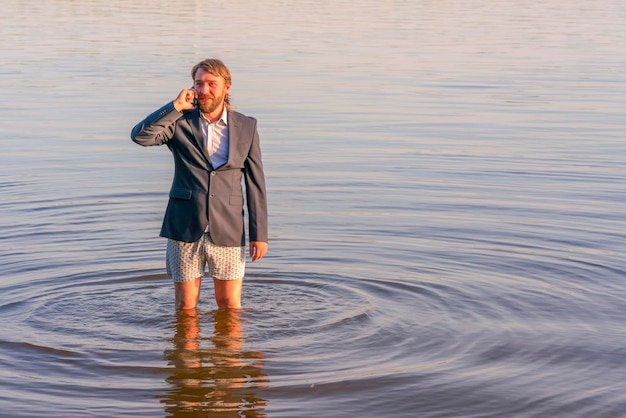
x=186, y=260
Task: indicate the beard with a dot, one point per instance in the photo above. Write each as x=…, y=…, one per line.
x=210, y=105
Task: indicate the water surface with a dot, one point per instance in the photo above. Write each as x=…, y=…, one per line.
x=447, y=211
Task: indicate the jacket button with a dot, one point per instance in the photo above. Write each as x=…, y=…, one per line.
x=212, y=195
x=213, y=173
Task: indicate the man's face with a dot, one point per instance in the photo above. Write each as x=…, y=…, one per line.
x=211, y=90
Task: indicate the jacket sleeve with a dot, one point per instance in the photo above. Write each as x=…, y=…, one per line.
x=157, y=128
x=256, y=196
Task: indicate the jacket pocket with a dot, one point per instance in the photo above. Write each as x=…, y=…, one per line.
x=180, y=193
x=236, y=200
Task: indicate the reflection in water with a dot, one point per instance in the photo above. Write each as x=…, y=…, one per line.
x=213, y=376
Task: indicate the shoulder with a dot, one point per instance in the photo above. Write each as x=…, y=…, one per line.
x=240, y=117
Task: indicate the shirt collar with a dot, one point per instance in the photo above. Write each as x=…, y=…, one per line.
x=223, y=118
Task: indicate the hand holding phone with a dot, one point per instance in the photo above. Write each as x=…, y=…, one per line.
x=186, y=100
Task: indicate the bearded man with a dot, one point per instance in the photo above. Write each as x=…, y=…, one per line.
x=216, y=152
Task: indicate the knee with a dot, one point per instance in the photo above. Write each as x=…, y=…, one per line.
x=187, y=294
x=228, y=302
x=184, y=306
x=186, y=301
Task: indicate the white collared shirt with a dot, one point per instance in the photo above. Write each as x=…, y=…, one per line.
x=216, y=138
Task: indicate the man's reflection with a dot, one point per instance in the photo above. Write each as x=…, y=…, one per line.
x=213, y=376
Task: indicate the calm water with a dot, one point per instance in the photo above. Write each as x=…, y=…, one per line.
x=447, y=189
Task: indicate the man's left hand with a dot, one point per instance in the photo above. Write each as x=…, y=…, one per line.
x=257, y=249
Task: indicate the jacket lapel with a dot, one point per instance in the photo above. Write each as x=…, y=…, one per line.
x=234, y=129
x=194, y=122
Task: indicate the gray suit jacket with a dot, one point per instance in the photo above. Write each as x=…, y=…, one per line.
x=201, y=194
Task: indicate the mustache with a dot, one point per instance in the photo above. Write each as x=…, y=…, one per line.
x=205, y=96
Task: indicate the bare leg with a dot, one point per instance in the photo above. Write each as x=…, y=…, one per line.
x=228, y=293
x=187, y=293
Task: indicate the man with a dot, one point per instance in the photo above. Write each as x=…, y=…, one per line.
x=214, y=148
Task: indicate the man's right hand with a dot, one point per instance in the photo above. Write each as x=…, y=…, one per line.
x=185, y=100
